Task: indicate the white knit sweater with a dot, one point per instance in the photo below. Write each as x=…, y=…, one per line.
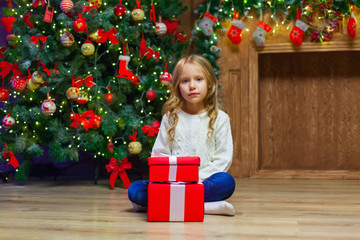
x=191, y=139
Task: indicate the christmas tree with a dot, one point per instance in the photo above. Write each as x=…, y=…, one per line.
x=86, y=76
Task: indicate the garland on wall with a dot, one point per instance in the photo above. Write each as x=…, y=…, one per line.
x=302, y=13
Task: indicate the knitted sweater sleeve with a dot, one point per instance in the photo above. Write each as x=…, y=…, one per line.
x=162, y=143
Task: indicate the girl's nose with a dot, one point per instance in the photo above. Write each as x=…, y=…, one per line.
x=192, y=85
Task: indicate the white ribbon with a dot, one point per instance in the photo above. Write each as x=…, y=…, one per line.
x=177, y=202
x=172, y=168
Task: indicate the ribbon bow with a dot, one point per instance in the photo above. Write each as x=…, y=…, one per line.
x=151, y=130
x=36, y=39
x=108, y=35
x=87, y=8
x=133, y=137
x=36, y=3
x=151, y=53
x=119, y=169
x=180, y=37
x=9, y=154
x=7, y=22
x=83, y=119
x=6, y=67
x=2, y=50
x=45, y=69
x=26, y=20
x=88, y=81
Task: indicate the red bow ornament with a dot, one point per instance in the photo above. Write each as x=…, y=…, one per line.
x=2, y=50
x=7, y=22
x=36, y=39
x=119, y=169
x=151, y=53
x=83, y=119
x=88, y=82
x=151, y=130
x=9, y=154
x=108, y=35
x=87, y=8
x=6, y=67
x=36, y=3
x=26, y=20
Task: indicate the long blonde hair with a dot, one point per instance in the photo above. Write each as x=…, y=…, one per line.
x=175, y=102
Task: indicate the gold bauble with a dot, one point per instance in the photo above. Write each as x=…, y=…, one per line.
x=135, y=148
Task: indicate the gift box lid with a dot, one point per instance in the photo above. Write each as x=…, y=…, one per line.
x=174, y=160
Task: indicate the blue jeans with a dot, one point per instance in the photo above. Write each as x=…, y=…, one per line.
x=218, y=187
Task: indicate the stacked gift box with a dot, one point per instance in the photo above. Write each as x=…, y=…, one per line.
x=174, y=193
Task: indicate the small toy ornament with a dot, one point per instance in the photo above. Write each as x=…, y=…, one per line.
x=351, y=26
x=138, y=14
x=36, y=78
x=67, y=39
x=160, y=28
x=151, y=95
x=96, y=3
x=87, y=49
x=260, y=33
x=4, y=95
x=66, y=5
x=206, y=24
x=18, y=83
x=166, y=77
x=134, y=147
x=83, y=97
x=120, y=9
x=234, y=33
x=80, y=25
x=48, y=107
x=73, y=93
x=298, y=31
x=124, y=60
x=8, y=121
x=95, y=122
x=94, y=36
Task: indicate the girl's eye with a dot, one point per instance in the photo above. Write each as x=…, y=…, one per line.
x=185, y=81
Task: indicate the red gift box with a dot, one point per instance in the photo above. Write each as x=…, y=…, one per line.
x=176, y=202
x=172, y=168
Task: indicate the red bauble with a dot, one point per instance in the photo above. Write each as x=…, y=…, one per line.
x=8, y=121
x=109, y=97
x=95, y=122
x=171, y=25
x=165, y=78
x=4, y=95
x=18, y=83
x=151, y=95
x=135, y=80
x=120, y=10
x=80, y=25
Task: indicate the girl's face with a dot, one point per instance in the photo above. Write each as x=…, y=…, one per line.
x=193, y=87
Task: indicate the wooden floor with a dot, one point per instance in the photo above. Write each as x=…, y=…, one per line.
x=266, y=209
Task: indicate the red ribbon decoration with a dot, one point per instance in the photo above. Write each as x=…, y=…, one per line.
x=36, y=3
x=152, y=13
x=110, y=146
x=6, y=67
x=108, y=35
x=151, y=53
x=83, y=119
x=119, y=169
x=151, y=130
x=36, y=39
x=133, y=137
x=7, y=22
x=2, y=50
x=26, y=20
x=138, y=4
x=88, y=81
x=9, y=154
x=180, y=37
x=45, y=69
x=87, y=8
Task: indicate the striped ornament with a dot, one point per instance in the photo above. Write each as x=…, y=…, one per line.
x=66, y=5
x=67, y=39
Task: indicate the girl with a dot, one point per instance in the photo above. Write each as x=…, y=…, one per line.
x=193, y=125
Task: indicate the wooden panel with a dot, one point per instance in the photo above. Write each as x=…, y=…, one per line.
x=309, y=107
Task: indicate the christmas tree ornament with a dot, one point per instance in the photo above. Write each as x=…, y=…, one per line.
x=67, y=39
x=37, y=2
x=37, y=78
x=138, y=14
x=118, y=169
x=110, y=146
x=296, y=35
x=32, y=86
x=151, y=130
x=124, y=60
x=351, y=26
x=160, y=28
x=151, y=95
x=89, y=82
x=2, y=51
x=8, y=121
x=36, y=39
x=109, y=35
x=237, y=26
x=26, y=20
x=95, y=122
x=66, y=5
x=9, y=154
x=12, y=40
x=109, y=97
x=260, y=33
x=120, y=9
x=94, y=36
x=73, y=92
x=48, y=15
x=83, y=97
x=95, y=3
x=142, y=47
x=171, y=25
x=18, y=83
x=166, y=77
x=135, y=80
x=7, y=22
x=48, y=107
x=4, y=95
x=87, y=49
x=80, y=24
x=206, y=24
x=134, y=147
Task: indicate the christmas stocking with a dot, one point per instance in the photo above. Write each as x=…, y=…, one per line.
x=351, y=26
x=206, y=24
x=235, y=30
x=123, y=68
x=260, y=33
x=297, y=32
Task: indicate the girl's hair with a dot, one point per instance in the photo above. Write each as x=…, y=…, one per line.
x=175, y=102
